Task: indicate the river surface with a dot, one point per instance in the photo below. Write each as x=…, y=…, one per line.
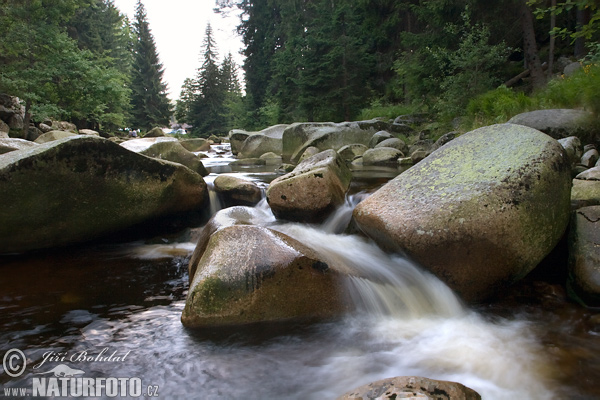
x=77, y=306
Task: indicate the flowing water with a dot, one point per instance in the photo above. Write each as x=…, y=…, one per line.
x=128, y=298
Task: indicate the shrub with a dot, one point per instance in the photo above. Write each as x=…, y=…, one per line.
x=389, y=111
x=497, y=106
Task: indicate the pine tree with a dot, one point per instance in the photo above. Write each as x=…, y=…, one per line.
x=149, y=103
x=207, y=108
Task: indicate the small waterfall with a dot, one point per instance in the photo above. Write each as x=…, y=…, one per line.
x=213, y=197
x=384, y=285
x=339, y=220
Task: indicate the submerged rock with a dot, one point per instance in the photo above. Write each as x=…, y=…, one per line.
x=312, y=190
x=584, y=256
x=480, y=212
x=82, y=187
x=412, y=387
x=250, y=274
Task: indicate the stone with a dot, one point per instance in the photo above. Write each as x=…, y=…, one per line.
x=4, y=128
x=480, y=212
x=250, y=274
x=170, y=150
x=88, y=132
x=584, y=256
x=195, y=144
x=572, y=146
x=590, y=174
x=309, y=152
x=253, y=144
x=571, y=68
x=53, y=135
x=394, y=143
x=45, y=128
x=315, y=188
x=236, y=191
x=155, y=132
x=589, y=158
x=445, y=138
x=585, y=192
x=249, y=162
x=11, y=144
x=379, y=137
x=382, y=156
x=328, y=135
x=412, y=387
x=271, y=158
x=350, y=151
x=64, y=126
x=16, y=122
x=559, y=123
x=418, y=156
x=80, y=188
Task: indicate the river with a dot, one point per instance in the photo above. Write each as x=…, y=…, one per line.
x=126, y=300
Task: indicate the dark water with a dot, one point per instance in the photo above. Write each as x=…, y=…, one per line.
x=128, y=298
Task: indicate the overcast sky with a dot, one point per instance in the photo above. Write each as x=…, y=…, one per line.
x=178, y=27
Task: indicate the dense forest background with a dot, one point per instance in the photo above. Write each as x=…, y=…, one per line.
x=305, y=60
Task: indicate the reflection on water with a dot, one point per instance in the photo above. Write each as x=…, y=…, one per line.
x=534, y=344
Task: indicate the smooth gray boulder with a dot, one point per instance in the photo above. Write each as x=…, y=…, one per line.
x=394, y=143
x=53, y=135
x=585, y=192
x=573, y=147
x=250, y=274
x=584, y=256
x=350, y=151
x=166, y=148
x=12, y=144
x=379, y=137
x=558, y=123
x=236, y=191
x=195, y=144
x=328, y=135
x=480, y=212
x=382, y=156
x=412, y=387
x=83, y=187
x=254, y=144
x=312, y=190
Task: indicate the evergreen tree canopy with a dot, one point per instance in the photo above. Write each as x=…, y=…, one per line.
x=149, y=103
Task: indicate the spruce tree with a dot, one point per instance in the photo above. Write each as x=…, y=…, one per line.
x=206, y=114
x=149, y=103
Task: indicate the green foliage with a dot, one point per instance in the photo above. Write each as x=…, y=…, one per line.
x=497, y=106
x=377, y=109
x=578, y=90
x=149, y=103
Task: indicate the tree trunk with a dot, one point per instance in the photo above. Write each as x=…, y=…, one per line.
x=26, y=119
x=552, y=40
x=532, y=59
x=583, y=18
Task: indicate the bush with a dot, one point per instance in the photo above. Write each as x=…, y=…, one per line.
x=497, y=106
x=388, y=111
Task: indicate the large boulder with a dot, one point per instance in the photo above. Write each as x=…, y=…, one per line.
x=351, y=151
x=11, y=144
x=10, y=106
x=250, y=274
x=53, y=135
x=315, y=188
x=155, y=132
x=328, y=135
x=196, y=144
x=64, y=126
x=558, y=123
x=165, y=149
x=83, y=187
x=267, y=140
x=236, y=191
x=394, y=143
x=412, y=387
x=480, y=212
x=585, y=192
x=584, y=256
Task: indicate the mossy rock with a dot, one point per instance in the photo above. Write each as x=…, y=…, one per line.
x=480, y=212
x=83, y=187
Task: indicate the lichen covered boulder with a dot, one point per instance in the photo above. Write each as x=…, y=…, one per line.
x=250, y=274
x=83, y=187
x=312, y=190
x=480, y=212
